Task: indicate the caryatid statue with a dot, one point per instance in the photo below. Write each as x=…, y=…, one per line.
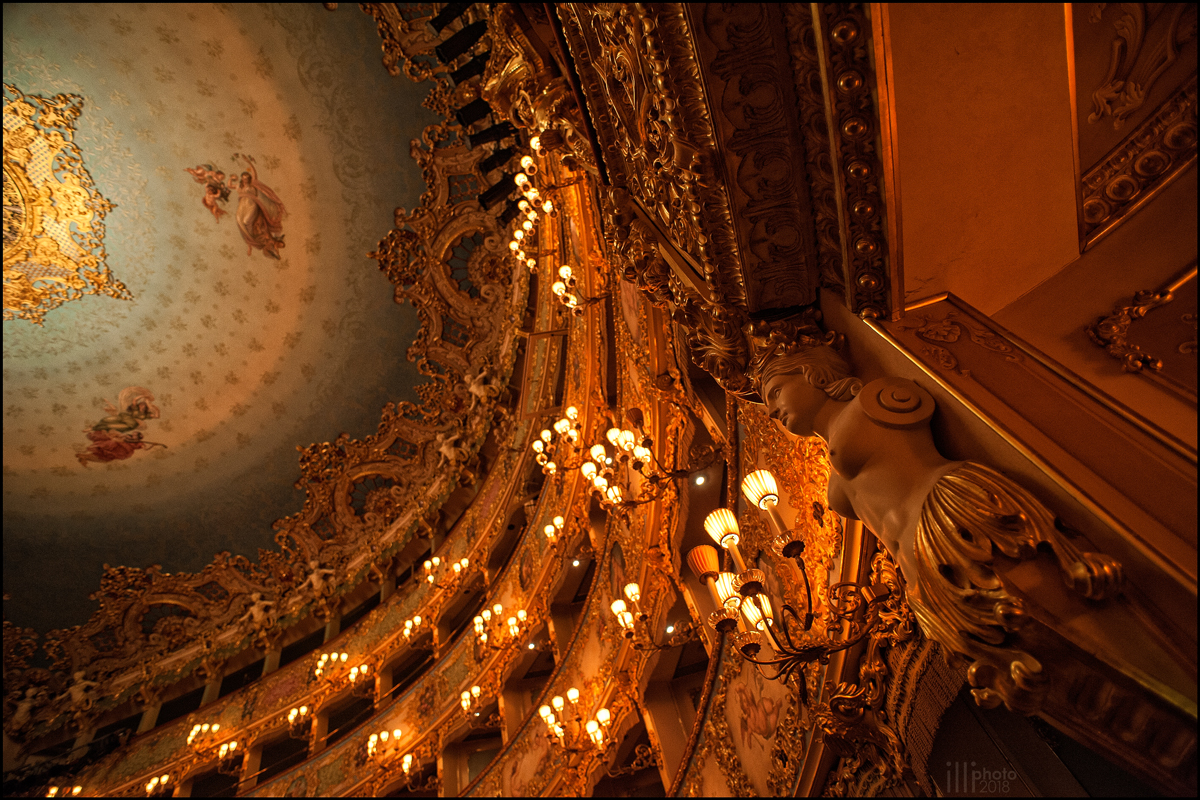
x=943, y=522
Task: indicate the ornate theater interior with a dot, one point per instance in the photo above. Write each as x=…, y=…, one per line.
x=414, y=400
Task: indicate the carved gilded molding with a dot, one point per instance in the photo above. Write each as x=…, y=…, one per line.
x=45, y=182
x=1148, y=160
x=1112, y=332
x=843, y=37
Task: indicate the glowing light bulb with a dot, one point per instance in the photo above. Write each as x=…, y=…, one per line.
x=633, y=592
x=598, y=452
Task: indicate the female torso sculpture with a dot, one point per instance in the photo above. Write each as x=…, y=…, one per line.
x=944, y=522
x=883, y=469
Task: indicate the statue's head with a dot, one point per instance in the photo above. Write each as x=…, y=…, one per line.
x=797, y=379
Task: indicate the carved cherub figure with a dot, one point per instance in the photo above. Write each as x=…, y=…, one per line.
x=80, y=692
x=258, y=615
x=451, y=452
x=479, y=387
x=317, y=580
x=943, y=521
x=23, y=715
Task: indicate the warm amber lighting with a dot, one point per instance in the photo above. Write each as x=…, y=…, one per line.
x=729, y=596
x=760, y=488
x=564, y=272
x=618, y=606
x=603, y=717
x=598, y=453
x=573, y=695
x=633, y=592
x=558, y=288
x=588, y=470
x=704, y=561
x=722, y=526
x=613, y=436
x=550, y=532
x=558, y=703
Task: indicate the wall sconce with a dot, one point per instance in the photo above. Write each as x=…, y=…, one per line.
x=158, y=787
x=564, y=290
x=529, y=207
x=469, y=700
x=413, y=627
x=383, y=744
x=634, y=623
x=566, y=729
x=53, y=791
x=433, y=566
x=202, y=738
x=491, y=628
x=298, y=720
x=410, y=766
x=331, y=667
x=554, y=530
x=566, y=429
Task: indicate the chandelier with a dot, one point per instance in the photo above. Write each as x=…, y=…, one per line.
x=567, y=730
x=784, y=640
x=635, y=624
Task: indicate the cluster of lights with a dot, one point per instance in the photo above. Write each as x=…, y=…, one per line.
x=412, y=627
x=555, y=716
x=329, y=660
x=529, y=208
x=199, y=730
x=566, y=428
x=53, y=791
x=624, y=616
x=297, y=717
x=432, y=565
x=382, y=738
x=469, y=698
x=600, y=469
x=554, y=529
x=562, y=289
x=743, y=591
x=489, y=624
x=158, y=784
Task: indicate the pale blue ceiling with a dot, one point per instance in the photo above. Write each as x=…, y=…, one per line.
x=247, y=357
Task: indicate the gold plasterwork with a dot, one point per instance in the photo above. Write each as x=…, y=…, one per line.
x=53, y=214
x=1112, y=333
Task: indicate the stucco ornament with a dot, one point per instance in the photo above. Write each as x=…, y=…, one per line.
x=260, y=614
x=949, y=525
x=481, y=387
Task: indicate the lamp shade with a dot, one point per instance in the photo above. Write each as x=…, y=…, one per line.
x=704, y=561
x=760, y=488
x=722, y=526
x=726, y=591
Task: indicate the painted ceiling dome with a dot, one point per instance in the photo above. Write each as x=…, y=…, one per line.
x=189, y=203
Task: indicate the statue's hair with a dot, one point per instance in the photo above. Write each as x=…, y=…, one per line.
x=820, y=365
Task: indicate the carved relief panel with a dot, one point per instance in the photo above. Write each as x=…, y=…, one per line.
x=1135, y=105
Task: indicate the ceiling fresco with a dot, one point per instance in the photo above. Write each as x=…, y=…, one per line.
x=238, y=163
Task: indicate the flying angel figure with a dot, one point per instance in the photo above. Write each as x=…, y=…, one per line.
x=215, y=189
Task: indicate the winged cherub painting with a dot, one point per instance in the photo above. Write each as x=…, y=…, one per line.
x=260, y=212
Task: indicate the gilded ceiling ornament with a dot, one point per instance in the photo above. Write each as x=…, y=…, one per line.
x=1112, y=332
x=1148, y=159
x=53, y=214
x=1138, y=59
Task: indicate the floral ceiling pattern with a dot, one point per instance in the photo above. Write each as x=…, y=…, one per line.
x=252, y=157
